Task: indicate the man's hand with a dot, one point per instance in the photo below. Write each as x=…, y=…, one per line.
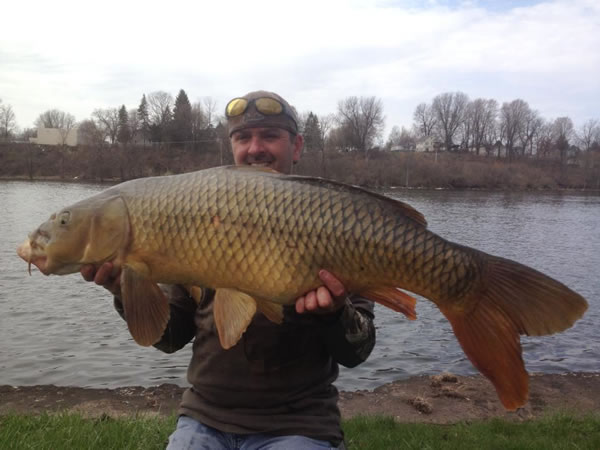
x=325, y=299
x=104, y=276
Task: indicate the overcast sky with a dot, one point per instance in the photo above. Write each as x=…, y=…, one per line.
x=77, y=56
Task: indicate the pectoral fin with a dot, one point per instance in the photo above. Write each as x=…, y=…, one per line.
x=233, y=312
x=393, y=298
x=145, y=305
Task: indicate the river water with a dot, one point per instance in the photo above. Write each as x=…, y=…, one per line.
x=64, y=331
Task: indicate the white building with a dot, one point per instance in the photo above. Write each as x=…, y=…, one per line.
x=428, y=144
x=54, y=136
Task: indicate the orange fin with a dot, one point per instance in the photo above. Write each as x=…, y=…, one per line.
x=536, y=303
x=393, y=298
x=233, y=311
x=145, y=306
x=491, y=342
x=272, y=311
x=512, y=299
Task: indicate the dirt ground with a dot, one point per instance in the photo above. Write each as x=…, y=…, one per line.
x=442, y=398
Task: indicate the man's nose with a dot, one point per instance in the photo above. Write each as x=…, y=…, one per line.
x=256, y=145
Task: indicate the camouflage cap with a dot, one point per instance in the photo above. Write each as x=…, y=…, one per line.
x=252, y=118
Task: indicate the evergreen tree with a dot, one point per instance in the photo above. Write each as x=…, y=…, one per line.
x=182, y=119
x=165, y=127
x=144, y=119
x=312, y=133
x=124, y=131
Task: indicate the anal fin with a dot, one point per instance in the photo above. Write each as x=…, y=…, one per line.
x=145, y=306
x=393, y=298
x=233, y=311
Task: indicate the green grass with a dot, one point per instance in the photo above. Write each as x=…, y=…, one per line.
x=553, y=432
x=71, y=431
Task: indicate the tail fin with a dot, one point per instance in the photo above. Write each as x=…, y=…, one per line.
x=512, y=299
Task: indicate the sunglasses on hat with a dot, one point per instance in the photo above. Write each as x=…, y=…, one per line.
x=264, y=105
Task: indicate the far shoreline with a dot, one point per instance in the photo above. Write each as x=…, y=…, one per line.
x=113, y=182
x=379, y=169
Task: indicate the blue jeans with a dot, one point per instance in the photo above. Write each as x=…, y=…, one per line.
x=192, y=435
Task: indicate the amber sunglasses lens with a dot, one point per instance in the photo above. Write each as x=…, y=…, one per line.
x=269, y=106
x=236, y=107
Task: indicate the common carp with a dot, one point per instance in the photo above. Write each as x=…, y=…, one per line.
x=260, y=238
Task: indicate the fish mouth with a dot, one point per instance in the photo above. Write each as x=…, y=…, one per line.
x=32, y=252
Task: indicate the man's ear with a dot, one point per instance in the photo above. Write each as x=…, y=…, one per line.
x=298, y=146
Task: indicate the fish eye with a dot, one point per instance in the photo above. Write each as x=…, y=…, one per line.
x=64, y=217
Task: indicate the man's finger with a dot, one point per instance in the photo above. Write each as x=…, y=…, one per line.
x=300, y=308
x=88, y=272
x=332, y=283
x=103, y=274
x=310, y=301
x=324, y=298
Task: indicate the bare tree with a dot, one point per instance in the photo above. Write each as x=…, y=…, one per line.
x=481, y=115
x=210, y=107
x=160, y=105
x=402, y=138
x=464, y=134
x=589, y=133
x=134, y=122
x=562, y=131
x=513, y=117
x=326, y=122
x=8, y=121
x=449, y=109
x=531, y=126
x=362, y=121
x=544, y=143
x=53, y=118
x=424, y=120
x=108, y=121
x=394, y=137
x=91, y=134
x=199, y=123
x=68, y=123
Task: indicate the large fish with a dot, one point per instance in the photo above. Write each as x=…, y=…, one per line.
x=260, y=239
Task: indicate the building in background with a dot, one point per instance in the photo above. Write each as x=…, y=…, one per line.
x=57, y=136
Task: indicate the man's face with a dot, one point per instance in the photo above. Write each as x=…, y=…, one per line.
x=269, y=147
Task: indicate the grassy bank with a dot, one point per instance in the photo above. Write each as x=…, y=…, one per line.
x=72, y=431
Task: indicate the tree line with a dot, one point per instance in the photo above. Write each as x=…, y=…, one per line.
x=482, y=126
x=450, y=122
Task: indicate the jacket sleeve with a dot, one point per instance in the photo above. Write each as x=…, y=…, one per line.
x=181, y=327
x=351, y=335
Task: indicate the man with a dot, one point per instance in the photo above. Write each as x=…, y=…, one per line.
x=273, y=389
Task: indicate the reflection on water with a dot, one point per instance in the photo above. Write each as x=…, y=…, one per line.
x=64, y=331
